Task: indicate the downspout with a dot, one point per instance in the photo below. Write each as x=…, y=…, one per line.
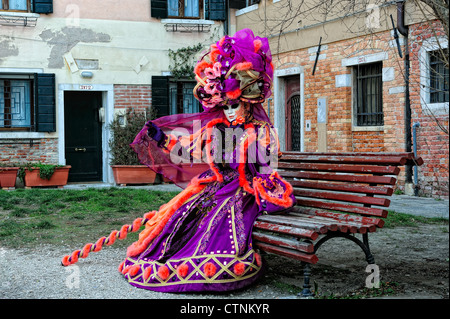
x=403, y=29
x=416, y=179
x=227, y=18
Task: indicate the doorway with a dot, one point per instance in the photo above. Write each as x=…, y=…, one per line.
x=293, y=114
x=83, y=135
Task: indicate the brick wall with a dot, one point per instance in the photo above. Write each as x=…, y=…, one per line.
x=42, y=150
x=432, y=135
x=135, y=96
x=341, y=135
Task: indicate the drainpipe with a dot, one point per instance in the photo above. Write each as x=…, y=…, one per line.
x=403, y=29
x=416, y=179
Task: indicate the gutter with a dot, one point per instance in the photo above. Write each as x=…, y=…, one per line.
x=403, y=30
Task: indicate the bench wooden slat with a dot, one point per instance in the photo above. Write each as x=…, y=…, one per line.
x=368, y=200
x=351, y=188
x=297, y=232
x=343, y=226
x=284, y=242
x=385, y=180
x=367, y=160
x=309, y=258
x=292, y=222
x=340, y=216
x=410, y=158
x=352, y=225
x=367, y=169
x=329, y=223
x=370, y=211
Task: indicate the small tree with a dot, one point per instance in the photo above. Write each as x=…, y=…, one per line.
x=123, y=134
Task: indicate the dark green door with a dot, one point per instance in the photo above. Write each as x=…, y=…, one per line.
x=83, y=135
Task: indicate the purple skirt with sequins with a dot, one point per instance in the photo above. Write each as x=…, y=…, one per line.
x=205, y=246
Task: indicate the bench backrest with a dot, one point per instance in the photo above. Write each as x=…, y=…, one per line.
x=344, y=182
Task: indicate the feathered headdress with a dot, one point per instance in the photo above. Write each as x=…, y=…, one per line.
x=237, y=68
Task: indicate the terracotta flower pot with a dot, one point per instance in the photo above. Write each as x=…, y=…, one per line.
x=133, y=174
x=8, y=177
x=59, y=178
x=196, y=168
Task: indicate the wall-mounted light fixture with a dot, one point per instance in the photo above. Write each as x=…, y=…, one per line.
x=87, y=74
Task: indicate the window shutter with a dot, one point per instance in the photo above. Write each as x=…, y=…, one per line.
x=160, y=95
x=237, y=4
x=44, y=88
x=43, y=6
x=215, y=10
x=159, y=9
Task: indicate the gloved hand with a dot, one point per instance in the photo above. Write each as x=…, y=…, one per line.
x=155, y=133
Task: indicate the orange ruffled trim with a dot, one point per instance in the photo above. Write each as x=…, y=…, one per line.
x=155, y=225
x=243, y=182
x=285, y=201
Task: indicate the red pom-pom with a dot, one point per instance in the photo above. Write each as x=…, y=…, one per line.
x=244, y=66
x=214, y=53
x=210, y=269
x=239, y=269
x=147, y=272
x=121, y=266
x=258, y=259
x=182, y=270
x=134, y=270
x=233, y=95
x=257, y=44
x=126, y=270
x=200, y=67
x=163, y=272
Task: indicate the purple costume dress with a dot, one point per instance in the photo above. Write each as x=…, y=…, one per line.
x=211, y=232
x=205, y=242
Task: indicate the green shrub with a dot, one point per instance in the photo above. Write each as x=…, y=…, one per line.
x=123, y=135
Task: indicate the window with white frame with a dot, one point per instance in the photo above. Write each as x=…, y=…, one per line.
x=368, y=109
x=438, y=76
x=183, y=8
x=433, y=59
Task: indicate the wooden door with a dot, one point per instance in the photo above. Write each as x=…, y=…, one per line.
x=83, y=135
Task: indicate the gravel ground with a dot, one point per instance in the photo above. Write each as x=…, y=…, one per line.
x=37, y=274
x=415, y=258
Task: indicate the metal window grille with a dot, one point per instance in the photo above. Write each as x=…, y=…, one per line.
x=438, y=77
x=16, y=107
x=181, y=98
x=369, y=91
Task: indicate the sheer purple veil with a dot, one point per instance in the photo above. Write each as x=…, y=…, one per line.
x=160, y=161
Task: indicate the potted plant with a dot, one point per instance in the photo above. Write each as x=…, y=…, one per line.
x=44, y=175
x=8, y=175
x=124, y=161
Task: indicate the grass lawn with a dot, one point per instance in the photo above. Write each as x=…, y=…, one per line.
x=76, y=217
x=52, y=216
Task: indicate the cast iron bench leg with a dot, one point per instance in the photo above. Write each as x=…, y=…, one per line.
x=306, y=292
x=364, y=245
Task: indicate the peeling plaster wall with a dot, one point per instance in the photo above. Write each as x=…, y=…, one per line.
x=7, y=48
x=127, y=46
x=64, y=40
x=119, y=46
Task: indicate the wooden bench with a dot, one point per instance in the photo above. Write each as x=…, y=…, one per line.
x=338, y=195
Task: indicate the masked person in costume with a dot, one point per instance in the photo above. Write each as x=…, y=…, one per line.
x=202, y=239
